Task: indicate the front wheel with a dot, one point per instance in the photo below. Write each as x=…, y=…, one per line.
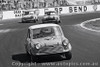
x=23, y=21
x=43, y=22
x=34, y=21
x=57, y=22
x=66, y=55
x=34, y=58
x=37, y=19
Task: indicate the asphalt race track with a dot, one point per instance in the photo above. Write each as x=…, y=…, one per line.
x=85, y=44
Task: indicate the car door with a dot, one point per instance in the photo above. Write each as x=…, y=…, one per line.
x=28, y=41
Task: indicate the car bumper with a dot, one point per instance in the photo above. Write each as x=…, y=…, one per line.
x=27, y=19
x=51, y=51
x=45, y=21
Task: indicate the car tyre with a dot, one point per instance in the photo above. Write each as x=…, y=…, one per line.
x=34, y=58
x=43, y=22
x=28, y=55
x=34, y=21
x=59, y=21
x=23, y=21
x=37, y=19
x=27, y=51
x=66, y=55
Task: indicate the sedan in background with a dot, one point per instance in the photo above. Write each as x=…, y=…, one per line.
x=51, y=17
x=29, y=17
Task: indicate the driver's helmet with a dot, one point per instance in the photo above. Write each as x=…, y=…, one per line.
x=47, y=30
x=31, y=13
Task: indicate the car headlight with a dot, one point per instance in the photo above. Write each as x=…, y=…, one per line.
x=65, y=42
x=38, y=46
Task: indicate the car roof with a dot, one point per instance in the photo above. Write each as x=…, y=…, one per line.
x=31, y=12
x=50, y=11
x=42, y=25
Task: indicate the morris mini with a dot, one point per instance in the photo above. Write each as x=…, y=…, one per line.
x=51, y=17
x=46, y=39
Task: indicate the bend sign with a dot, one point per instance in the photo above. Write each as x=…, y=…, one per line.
x=77, y=9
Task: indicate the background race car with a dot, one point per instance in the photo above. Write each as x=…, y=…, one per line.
x=29, y=16
x=51, y=17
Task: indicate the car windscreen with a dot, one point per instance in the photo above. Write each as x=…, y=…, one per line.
x=50, y=13
x=26, y=13
x=43, y=32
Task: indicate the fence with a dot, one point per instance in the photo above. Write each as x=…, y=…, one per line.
x=62, y=11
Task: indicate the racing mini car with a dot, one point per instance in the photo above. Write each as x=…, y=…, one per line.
x=47, y=39
x=29, y=17
x=51, y=17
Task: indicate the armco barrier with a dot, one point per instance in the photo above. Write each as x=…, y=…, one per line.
x=61, y=10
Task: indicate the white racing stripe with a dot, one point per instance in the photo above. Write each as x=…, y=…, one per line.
x=1, y=24
x=83, y=23
x=6, y=30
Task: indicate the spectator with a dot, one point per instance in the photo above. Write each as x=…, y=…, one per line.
x=30, y=4
x=41, y=3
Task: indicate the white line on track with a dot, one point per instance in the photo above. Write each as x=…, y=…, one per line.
x=1, y=24
x=83, y=23
x=6, y=30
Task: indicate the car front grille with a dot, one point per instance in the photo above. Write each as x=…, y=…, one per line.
x=50, y=19
x=27, y=17
x=51, y=49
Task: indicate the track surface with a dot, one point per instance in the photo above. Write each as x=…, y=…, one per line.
x=85, y=44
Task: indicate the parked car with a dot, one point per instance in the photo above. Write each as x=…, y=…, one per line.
x=29, y=16
x=51, y=17
x=46, y=39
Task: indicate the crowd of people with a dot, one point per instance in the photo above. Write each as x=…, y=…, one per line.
x=30, y=4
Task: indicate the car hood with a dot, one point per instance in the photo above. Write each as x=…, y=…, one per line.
x=27, y=16
x=47, y=41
